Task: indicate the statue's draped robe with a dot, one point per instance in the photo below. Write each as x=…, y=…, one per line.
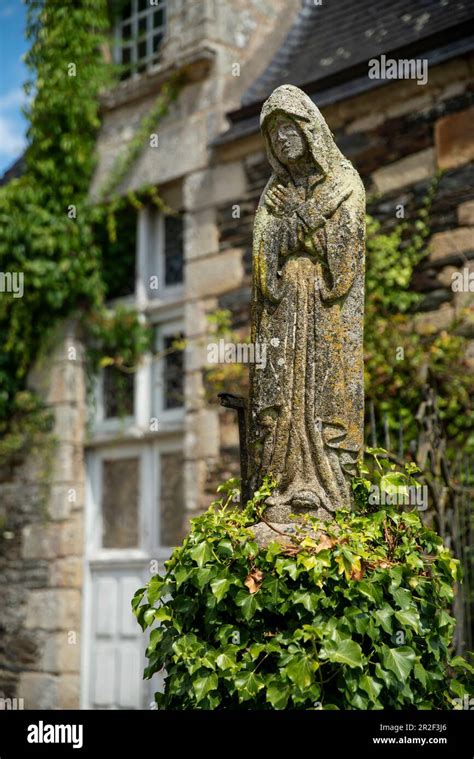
x=306, y=403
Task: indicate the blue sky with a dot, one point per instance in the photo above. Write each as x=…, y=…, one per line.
x=13, y=73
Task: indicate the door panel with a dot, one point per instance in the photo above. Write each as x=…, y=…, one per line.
x=103, y=680
x=105, y=606
x=117, y=642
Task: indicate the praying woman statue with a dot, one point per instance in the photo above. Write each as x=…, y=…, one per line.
x=306, y=403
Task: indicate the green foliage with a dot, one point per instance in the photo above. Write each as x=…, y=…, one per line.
x=353, y=614
x=39, y=236
x=380, y=474
x=118, y=337
x=398, y=360
x=26, y=427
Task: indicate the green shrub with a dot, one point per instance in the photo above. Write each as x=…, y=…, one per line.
x=355, y=618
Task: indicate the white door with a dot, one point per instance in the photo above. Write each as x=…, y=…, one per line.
x=122, y=548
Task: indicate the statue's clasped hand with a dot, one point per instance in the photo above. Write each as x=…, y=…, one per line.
x=282, y=201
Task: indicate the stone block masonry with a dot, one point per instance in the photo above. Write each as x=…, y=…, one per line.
x=42, y=545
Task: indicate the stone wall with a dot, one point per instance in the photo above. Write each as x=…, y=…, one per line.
x=41, y=556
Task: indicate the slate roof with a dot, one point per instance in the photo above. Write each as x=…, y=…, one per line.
x=15, y=171
x=329, y=45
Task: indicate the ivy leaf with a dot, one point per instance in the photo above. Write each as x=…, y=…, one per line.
x=325, y=542
x=156, y=589
x=347, y=652
x=306, y=599
x=300, y=672
x=138, y=597
x=414, y=561
x=181, y=574
x=384, y=618
x=201, y=553
x=248, y=685
x=411, y=518
x=162, y=615
x=358, y=700
x=278, y=695
x=255, y=650
x=420, y=673
x=409, y=619
x=396, y=577
x=204, y=685
x=224, y=661
x=271, y=586
x=444, y=619
x=387, y=677
x=308, y=562
x=225, y=548
x=248, y=604
x=202, y=577
x=460, y=662
x=274, y=549
x=394, y=483
x=371, y=686
x=287, y=565
x=370, y=590
x=220, y=586
x=399, y=660
x=151, y=614
x=403, y=598
x=361, y=622
x=156, y=637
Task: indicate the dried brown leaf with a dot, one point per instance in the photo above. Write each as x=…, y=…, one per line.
x=254, y=580
x=325, y=542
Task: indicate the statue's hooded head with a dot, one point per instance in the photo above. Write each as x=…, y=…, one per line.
x=291, y=123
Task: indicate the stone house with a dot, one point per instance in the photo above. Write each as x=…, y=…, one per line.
x=85, y=526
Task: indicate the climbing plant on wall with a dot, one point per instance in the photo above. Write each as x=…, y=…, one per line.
x=399, y=360
x=49, y=230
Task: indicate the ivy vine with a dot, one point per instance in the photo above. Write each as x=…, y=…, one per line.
x=50, y=230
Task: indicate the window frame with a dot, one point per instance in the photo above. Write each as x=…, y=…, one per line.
x=151, y=59
x=102, y=425
x=149, y=505
x=96, y=551
x=158, y=409
x=151, y=261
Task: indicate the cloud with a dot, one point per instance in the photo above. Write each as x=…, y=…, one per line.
x=13, y=99
x=12, y=127
x=12, y=140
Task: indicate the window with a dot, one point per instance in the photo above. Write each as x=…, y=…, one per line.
x=173, y=250
x=171, y=500
x=173, y=373
x=120, y=499
x=118, y=391
x=139, y=35
x=161, y=267
x=167, y=375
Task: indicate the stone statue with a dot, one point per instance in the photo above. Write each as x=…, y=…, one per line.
x=306, y=404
